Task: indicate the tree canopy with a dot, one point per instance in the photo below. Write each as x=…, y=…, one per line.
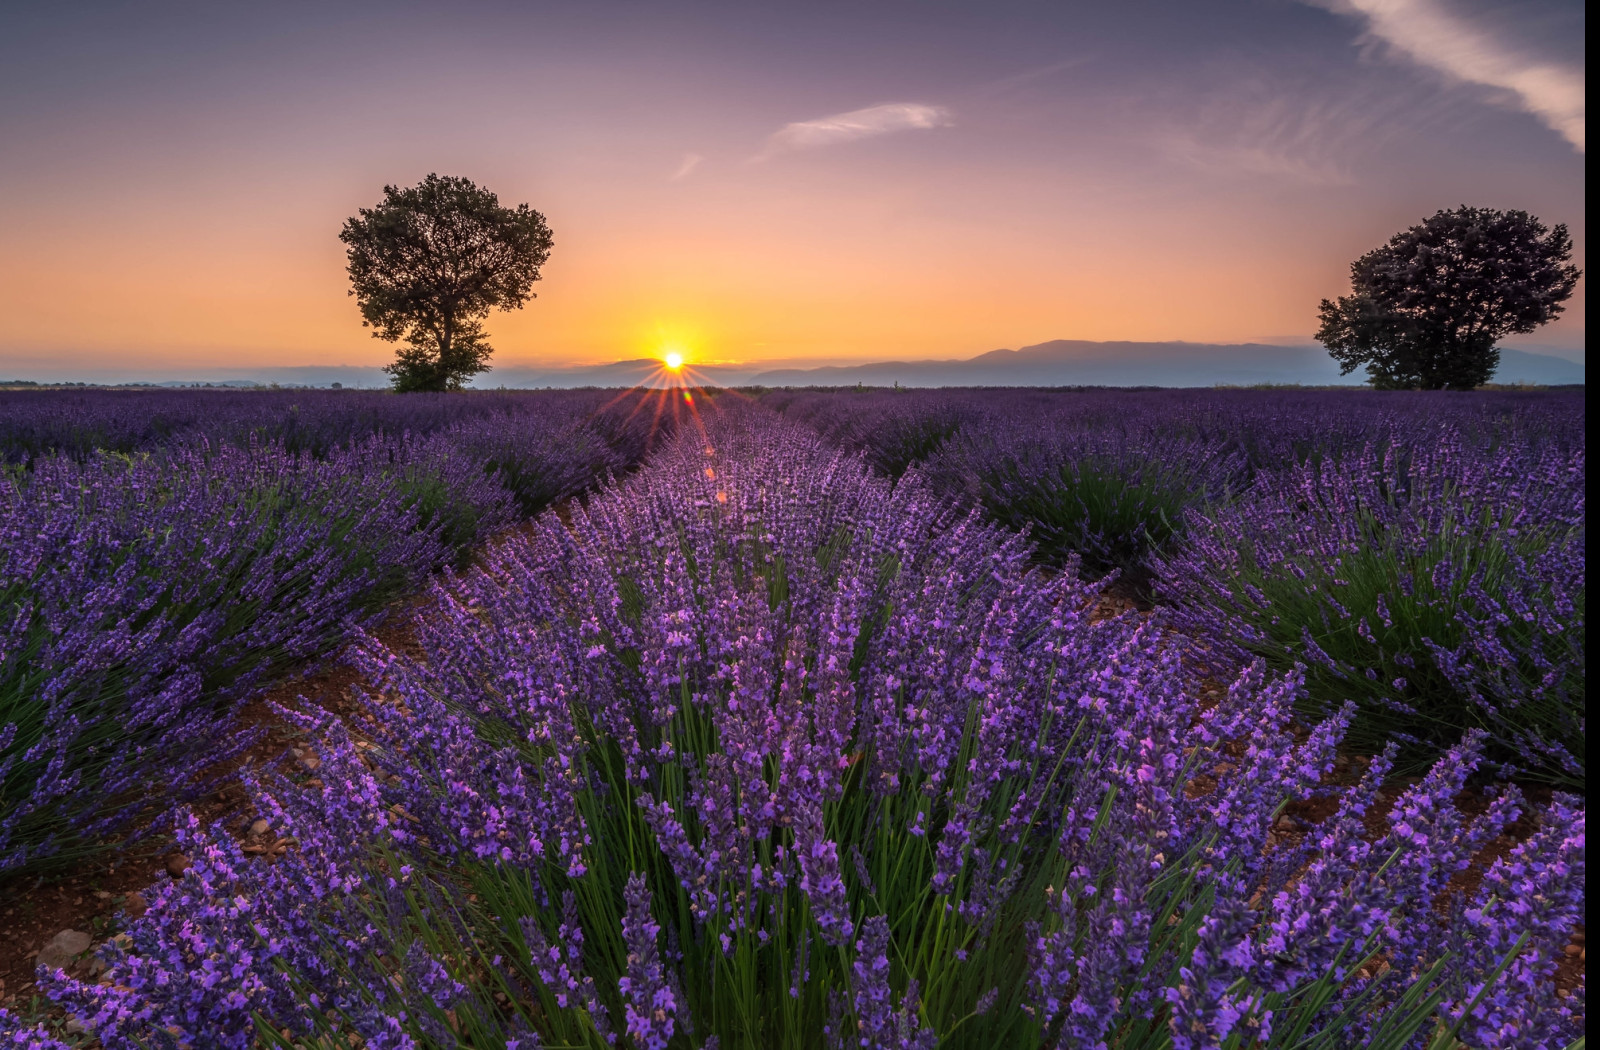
x=1427, y=309
x=429, y=263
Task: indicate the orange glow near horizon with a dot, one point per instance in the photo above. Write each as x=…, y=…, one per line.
x=781, y=272
x=186, y=302
x=183, y=304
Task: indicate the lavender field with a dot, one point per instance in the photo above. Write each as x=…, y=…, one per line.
x=991, y=718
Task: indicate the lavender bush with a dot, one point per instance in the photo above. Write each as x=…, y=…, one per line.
x=894, y=431
x=1101, y=478
x=1110, y=495
x=147, y=595
x=1436, y=580
x=761, y=751
x=1422, y=553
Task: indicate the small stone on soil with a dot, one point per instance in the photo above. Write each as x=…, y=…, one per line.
x=259, y=828
x=177, y=863
x=63, y=948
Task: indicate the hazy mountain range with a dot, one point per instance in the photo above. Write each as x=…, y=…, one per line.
x=1062, y=362
x=1075, y=362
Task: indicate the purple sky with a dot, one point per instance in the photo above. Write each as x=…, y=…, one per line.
x=803, y=182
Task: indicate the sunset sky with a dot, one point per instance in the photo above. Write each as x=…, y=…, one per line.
x=805, y=182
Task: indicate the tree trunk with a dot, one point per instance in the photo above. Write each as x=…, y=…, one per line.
x=442, y=366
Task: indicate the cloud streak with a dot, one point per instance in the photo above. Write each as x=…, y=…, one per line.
x=690, y=162
x=856, y=124
x=1430, y=34
x=1260, y=160
x=1016, y=81
x=1265, y=127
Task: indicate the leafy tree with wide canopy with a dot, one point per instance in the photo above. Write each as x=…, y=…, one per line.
x=429, y=263
x=1428, y=308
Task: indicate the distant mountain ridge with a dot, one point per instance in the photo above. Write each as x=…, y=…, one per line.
x=1076, y=362
x=1060, y=362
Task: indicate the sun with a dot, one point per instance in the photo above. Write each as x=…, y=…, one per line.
x=673, y=360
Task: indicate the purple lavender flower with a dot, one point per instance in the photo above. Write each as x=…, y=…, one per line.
x=650, y=1008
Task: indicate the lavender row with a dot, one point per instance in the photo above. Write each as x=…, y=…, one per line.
x=147, y=596
x=759, y=750
x=81, y=423
x=1107, y=474
x=1423, y=554
x=1437, y=581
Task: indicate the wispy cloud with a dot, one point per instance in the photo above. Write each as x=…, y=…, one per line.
x=690, y=162
x=1431, y=34
x=1269, y=129
x=857, y=124
x=1016, y=81
x=1255, y=159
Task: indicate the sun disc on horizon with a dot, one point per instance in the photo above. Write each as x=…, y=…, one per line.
x=673, y=360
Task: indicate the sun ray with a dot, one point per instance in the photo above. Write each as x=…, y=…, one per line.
x=674, y=382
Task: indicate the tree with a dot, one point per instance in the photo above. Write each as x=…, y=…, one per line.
x=429, y=263
x=1428, y=307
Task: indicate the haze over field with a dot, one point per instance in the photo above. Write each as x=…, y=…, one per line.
x=1061, y=362
x=827, y=184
